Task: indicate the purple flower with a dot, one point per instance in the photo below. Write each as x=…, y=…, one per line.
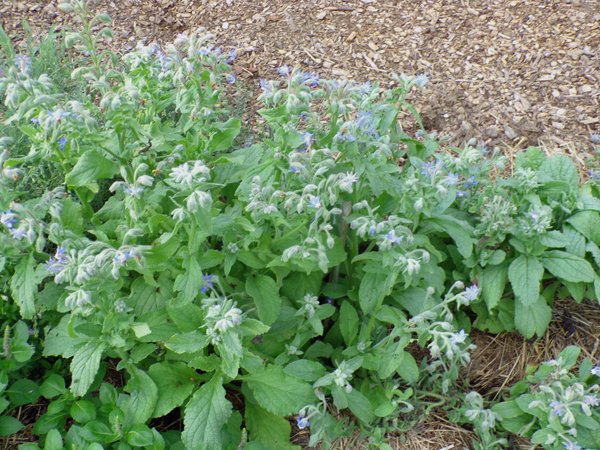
x=230, y=78
x=458, y=338
x=557, y=408
x=122, y=257
x=471, y=293
x=283, y=71
x=133, y=191
x=23, y=63
x=35, y=121
x=207, y=283
x=231, y=56
x=302, y=422
x=591, y=400
x=452, y=179
x=461, y=194
x=308, y=78
x=62, y=143
x=471, y=182
x=595, y=370
x=372, y=230
x=593, y=174
x=8, y=218
x=429, y=169
x=56, y=263
x=366, y=124
x=533, y=216
x=484, y=150
x=266, y=86
x=295, y=169
x=314, y=202
x=17, y=233
x=571, y=446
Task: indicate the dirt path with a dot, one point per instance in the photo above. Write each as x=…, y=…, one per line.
x=523, y=72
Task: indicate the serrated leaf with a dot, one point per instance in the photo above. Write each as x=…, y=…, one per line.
x=84, y=367
x=568, y=267
x=525, y=274
x=559, y=168
x=305, y=369
x=142, y=398
x=269, y=429
x=23, y=286
x=175, y=383
x=190, y=342
x=492, y=282
x=532, y=319
x=204, y=417
x=279, y=393
x=265, y=293
x=348, y=322
x=91, y=167
x=588, y=224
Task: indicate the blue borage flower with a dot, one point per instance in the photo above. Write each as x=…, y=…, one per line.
x=207, y=283
x=283, y=70
x=571, y=446
x=314, y=202
x=8, y=218
x=133, y=191
x=23, y=63
x=594, y=175
x=595, y=370
x=557, y=408
x=471, y=293
x=56, y=264
x=366, y=124
x=231, y=56
x=471, y=182
x=302, y=422
x=458, y=338
x=122, y=257
x=230, y=78
x=62, y=143
x=295, y=169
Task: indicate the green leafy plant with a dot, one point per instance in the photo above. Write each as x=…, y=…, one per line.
x=322, y=274
x=555, y=407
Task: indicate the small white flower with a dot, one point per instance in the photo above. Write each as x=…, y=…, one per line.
x=346, y=182
x=182, y=175
x=178, y=214
x=198, y=199
x=413, y=266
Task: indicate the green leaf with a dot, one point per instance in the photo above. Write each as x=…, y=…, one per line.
x=23, y=286
x=559, y=168
x=225, y=135
x=53, y=386
x=492, y=282
x=588, y=224
x=142, y=399
x=204, y=417
x=265, y=293
x=175, y=383
x=373, y=289
x=568, y=267
x=83, y=411
x=458, y=230
x=569, y=356
x=532, y=319
x=190, y=281
x=90, y=168
x=19, y=348
x=190, y=342
x=23, y=391
x=408, y=369
x=360, y=406
x=267, y=428
x=9, y=425
x=525, y=274
x=348, y=322
x=279, y=393
x=140, y=436
x=84, y=367
x=305, y=369
x=53, y=441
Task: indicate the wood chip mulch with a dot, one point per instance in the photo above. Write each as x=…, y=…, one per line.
x=502, y=71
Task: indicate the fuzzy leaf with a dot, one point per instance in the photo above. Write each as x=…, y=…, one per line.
x=204, y=417
x=279, y=393
x=265, y=293
x=525, y=274
x=23, y=287
x=532, y=319
x=492, y=283
x=568, y=266
x=84, y=367
x=142, y=399
x=175, y=384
